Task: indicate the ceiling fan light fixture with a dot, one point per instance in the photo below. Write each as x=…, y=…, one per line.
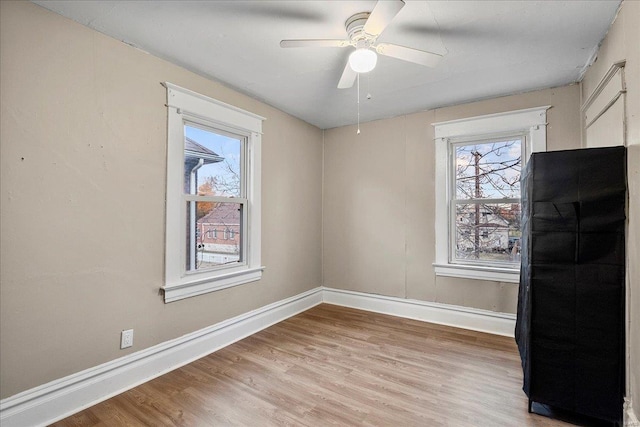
x=363, y=60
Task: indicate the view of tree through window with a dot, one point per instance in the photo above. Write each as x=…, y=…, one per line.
x=487, y=201
x=213, y=183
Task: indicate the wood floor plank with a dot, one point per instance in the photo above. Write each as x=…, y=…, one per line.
x=338, y=366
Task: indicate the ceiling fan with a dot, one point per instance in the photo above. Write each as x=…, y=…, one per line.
x=363, y=30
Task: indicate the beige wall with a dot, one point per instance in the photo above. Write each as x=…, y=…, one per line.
x=82, y=155
x=83, y=146
x=379, y=205
x=622, y=43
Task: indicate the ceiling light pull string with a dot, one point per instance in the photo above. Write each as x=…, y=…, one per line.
x=358, y=132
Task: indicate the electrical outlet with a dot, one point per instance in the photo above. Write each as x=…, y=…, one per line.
x=126, y=338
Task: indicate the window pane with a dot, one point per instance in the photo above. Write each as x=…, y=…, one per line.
x=212, y=163
x=214, y=234
x=489, y=170
x=488, y=232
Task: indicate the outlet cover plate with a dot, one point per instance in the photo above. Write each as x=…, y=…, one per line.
x=126, y=338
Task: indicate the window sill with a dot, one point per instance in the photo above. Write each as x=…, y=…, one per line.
x=507, y=275
x=180, y=291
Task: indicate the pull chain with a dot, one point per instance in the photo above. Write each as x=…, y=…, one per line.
x=358, y=132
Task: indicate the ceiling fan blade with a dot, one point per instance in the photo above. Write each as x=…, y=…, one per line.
x=315, y=43
x=348, y=77
x=422, y=57
x=381, y=16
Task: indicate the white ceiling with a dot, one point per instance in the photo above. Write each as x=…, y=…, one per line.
x=490, y=48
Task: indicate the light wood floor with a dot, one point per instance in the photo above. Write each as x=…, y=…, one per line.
x=336, y=366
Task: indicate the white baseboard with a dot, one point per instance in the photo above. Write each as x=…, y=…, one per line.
x=60, y=398
x=443, y=314
x=630, y=419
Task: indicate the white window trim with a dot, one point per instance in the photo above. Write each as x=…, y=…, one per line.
x=531, y=122
x=184, y=104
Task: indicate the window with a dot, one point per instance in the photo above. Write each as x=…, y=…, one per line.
x=213, y=183
x=478, y=164
x=485, y=176
x=214, y=172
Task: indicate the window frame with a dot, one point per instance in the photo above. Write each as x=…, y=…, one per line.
x=241, y=199
x=185, y=107
x=454, y=201
x=531, y=123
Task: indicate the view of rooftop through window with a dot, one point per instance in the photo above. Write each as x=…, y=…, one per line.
x=220, y=173
x=213, y=169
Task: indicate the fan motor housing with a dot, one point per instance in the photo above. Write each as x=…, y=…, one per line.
x=355, y=24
